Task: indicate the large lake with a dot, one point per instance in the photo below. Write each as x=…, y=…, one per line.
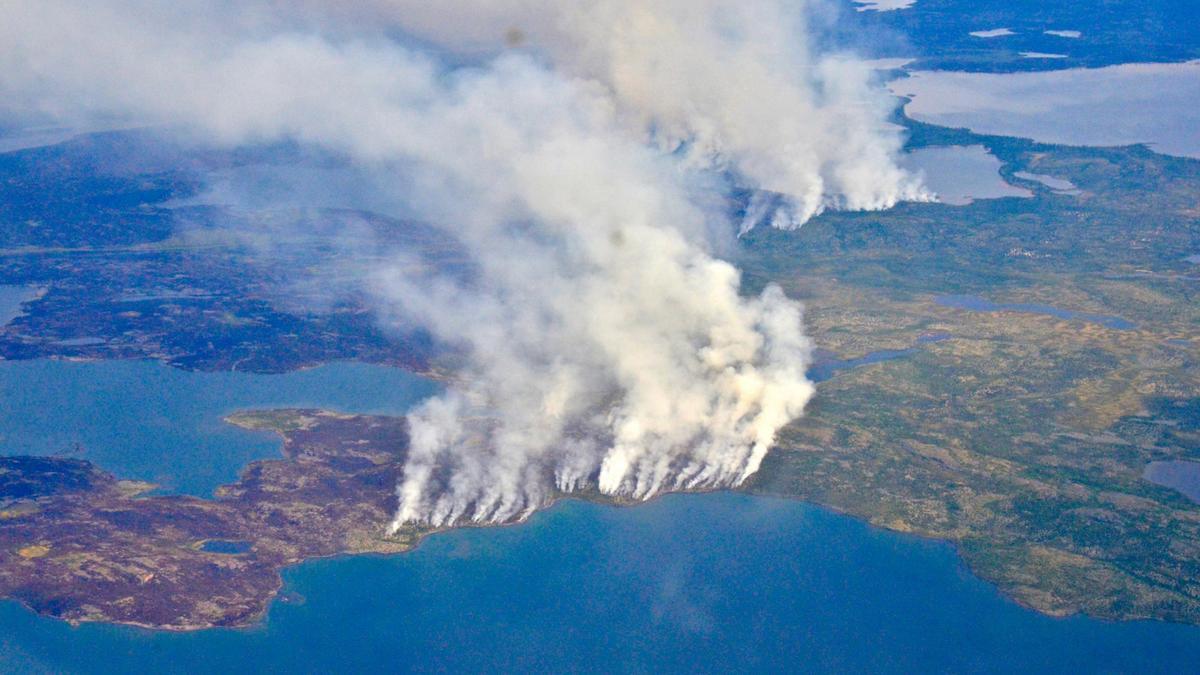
x=147, y=421
x=694, y=583
x=1151, y=103
x=686, y=583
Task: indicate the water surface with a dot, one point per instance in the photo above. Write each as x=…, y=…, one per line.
x=825, y=369
x=11, y=299
x=1059, y=185
x=977, y=304
x=1153, y=103
x=226, y=546
x=700, y=583
x=1181, y=475
x=147, y=421
x=826, y=365
x=960, y=174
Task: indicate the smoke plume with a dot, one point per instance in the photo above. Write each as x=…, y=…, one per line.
x=582, y=154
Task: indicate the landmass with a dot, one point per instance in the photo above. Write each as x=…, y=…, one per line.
x=82, y=545
x=997, y=375
x=1019, y=434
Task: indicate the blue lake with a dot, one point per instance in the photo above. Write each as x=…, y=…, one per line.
x=823, y=370
x=977, y=304
x=1059, y=185
x=11, y=298
x=960, y=174
x=1181, y=475
x=226, y=547
x=1152, y=103
x=146, y=421
x=695, y=583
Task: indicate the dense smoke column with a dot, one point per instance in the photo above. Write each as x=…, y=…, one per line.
x=727, y=85
x=631, y=411
x=607, y=347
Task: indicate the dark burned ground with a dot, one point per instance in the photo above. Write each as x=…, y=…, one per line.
x=78, y=544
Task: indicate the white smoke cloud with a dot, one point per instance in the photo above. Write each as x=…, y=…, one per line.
x=731, y=84
x=607, y=347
